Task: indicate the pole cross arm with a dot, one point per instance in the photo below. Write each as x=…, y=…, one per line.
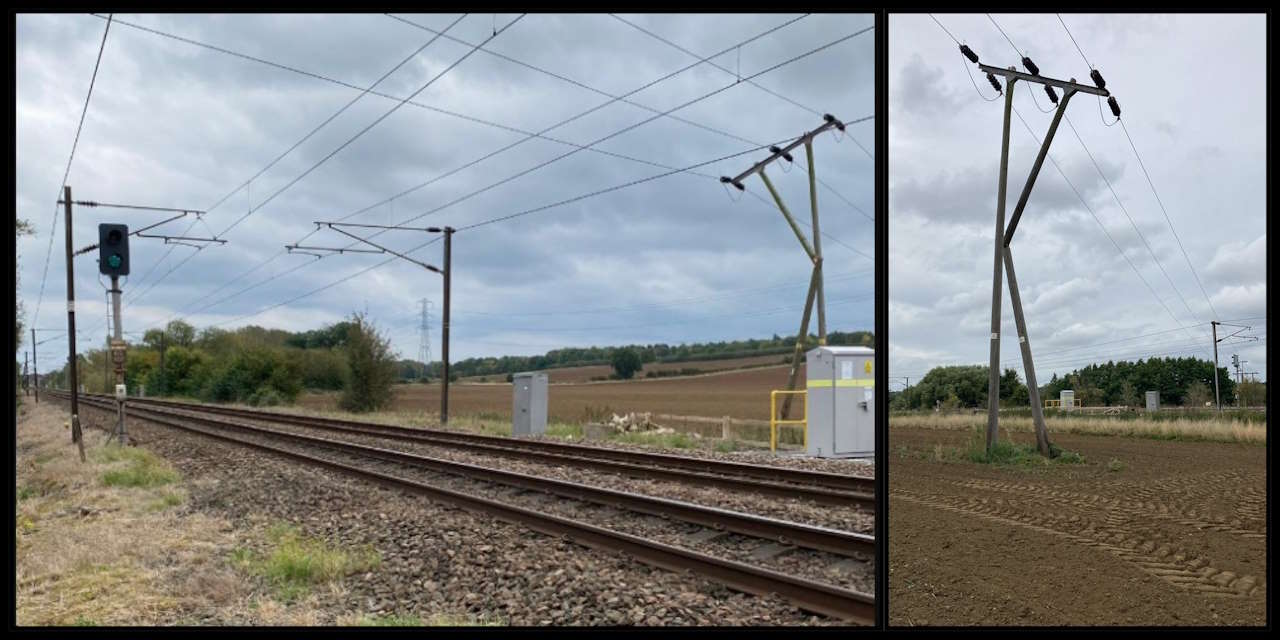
x=184, y=238
x=386, y=250
x=1067, y=86
x=331, y=225
x=304, y=249
x=831, y=122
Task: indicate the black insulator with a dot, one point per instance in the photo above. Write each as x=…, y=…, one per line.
x=830, y=118
x=1115, y=106
x=1053, y=95
x=778, y=150
x=1097, y=79
x=1031, y=66
x=968, y=53
x=995, y=83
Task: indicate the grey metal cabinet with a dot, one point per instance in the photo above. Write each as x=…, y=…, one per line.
x=841, y=402
x=529, y=404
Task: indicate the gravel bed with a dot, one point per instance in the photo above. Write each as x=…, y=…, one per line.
x=854, y=518
x=860, y=468
x=843, y=466
x=438, y=558
x=814, y=565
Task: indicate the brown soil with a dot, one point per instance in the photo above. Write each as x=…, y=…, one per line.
x=740, y=394
x=1177, y=536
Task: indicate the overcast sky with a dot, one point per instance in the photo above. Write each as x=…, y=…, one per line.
x=1192, y=93
x=672, y=260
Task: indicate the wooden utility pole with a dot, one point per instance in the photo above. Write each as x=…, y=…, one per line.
x=812, y=250
x=35, y=367
x=72, y=378
x=1004, y=236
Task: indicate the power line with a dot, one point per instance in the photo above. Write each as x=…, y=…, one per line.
x=1100, y=225
x=1129, y=218
x=358, y=134
x=1168, y=220
x=1073, y=41
x=753, y=83
x=723, y=295
x=451, y=172
x=384, y=116
x=580, y=115
x=1145, y=173
x=437, y=238
x=676, y=108
x=1082, y=199
x=53, y=229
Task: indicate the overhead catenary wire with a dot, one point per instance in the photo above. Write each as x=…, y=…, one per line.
x=53, y=228
x=738, y=74
x=633, y=126
x=464, y=166
x=437, y=238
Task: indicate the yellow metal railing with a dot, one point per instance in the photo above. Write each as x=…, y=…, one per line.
x=774, y=421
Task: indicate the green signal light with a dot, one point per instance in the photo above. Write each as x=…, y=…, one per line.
x=114, y=261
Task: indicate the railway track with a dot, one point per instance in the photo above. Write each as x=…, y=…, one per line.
x=821, y=487
x=655, y=531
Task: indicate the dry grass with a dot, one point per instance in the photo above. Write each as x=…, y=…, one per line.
x=1178, y=429
x=93, y=553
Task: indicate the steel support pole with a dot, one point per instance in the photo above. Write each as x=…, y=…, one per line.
x=73, y=379
x=817, y=243
x=119, y=337
x=993, y=381
x=800, y=339
x=1024, y=342
x=1217, y=400
x=444, y=325
x=35, y=367
x=26, y=373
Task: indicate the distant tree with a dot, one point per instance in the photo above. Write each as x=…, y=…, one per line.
x=626, y=362
x=1129, y=394
x=371, y=367
x=23, y=229
x=1252, y=394
x=180, y=333
x=1198, y=394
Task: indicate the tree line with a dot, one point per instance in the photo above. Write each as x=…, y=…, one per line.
x=249, y=365
x=1180, y=381
x=647, y=353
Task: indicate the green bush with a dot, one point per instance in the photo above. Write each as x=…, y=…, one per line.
x=371, y=368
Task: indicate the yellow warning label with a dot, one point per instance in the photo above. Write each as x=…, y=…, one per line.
x=866, y=366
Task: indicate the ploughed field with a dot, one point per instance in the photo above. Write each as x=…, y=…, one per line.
x=742, y=393
x=1144, y=532
x=598, y=371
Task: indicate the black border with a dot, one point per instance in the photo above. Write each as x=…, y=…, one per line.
x=881, y=285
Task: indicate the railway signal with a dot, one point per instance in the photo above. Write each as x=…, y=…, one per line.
x=113, y=250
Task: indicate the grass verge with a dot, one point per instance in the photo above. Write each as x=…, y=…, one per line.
x=294, y=562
